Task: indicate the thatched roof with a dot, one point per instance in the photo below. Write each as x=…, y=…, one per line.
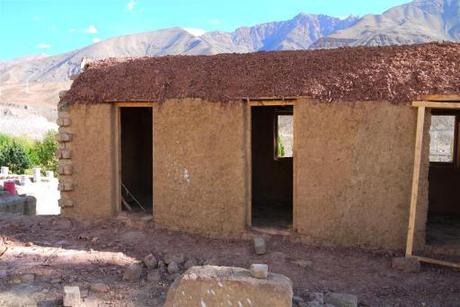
x=398, y=74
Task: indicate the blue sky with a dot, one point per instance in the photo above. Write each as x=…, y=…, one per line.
x=55, y=26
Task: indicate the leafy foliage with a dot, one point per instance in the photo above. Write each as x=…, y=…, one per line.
x=20, y=154
x=14, y=156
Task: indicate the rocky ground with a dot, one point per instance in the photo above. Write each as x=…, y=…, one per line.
x=128, y=262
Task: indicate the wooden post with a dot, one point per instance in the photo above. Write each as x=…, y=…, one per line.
x=415, y=179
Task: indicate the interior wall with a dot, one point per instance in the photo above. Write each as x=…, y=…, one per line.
x=92, y=159
x=200, y=182
x=136, y=153
x=444, y=193
x=272, y=179
x=354, y=164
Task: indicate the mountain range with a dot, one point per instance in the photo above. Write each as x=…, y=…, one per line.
x=32, y=83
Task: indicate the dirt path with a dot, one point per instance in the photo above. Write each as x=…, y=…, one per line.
x=45, y=253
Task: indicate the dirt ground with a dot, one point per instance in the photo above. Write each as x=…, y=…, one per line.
x=46, y=253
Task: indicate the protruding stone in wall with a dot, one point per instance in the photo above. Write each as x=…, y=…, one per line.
x=62, y=94
x=63, y=114
x=64, y=137
x=65, y=186
x=63, y=154
x=63, y=122
x=73, y=77
x=65, y=169
x=65, y=203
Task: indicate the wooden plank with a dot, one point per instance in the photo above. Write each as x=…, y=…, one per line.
x=436, y=105
x=133, y=104
x=271, y=103
x=442, y=98
x=117, y=159
x=415, y=180
x=294, y=169
x=438, y=262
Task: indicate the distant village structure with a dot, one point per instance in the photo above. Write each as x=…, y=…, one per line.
x=195, y=141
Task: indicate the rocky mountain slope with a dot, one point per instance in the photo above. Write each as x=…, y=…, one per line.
x=416, y=22
x=31, y=84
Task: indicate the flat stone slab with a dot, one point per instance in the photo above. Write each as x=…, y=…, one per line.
x=228, y=286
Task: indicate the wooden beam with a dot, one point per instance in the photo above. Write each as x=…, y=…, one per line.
x=133, y=104
x=438, y=262
x=415, y=180
x=442, y=98
x=271, y=103
x=436, y=105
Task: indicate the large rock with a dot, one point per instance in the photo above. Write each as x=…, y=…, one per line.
x=214, y=286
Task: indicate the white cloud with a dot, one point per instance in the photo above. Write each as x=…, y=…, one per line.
x=131, y=5
x=91, y=29
x=96, y=40
x=195, y=31
x=44, y=46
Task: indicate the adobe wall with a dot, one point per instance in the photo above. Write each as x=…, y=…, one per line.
x=199, y=166
x=353, y=171
x=86, y=161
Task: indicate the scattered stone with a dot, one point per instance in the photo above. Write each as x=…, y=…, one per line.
x=161, y=265
x=304, y=264
x=406, y=264
x=178, y=258
x=187, y=289
x=173, y=267
x=341, y=299
x=153, y=276
x=100, y=287
x=72, y=296
x=189, y=263
x=133, y=272
x=259, y=271
x=150, y=261
x=297, y=300
x=316, y=297
x=259, y=246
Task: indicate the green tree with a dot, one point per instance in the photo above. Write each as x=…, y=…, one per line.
x=45, y=152
x=14, y=156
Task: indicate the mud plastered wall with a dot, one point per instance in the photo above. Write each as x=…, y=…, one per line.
x=354, y=165
x=199, y=178
x=86, y=161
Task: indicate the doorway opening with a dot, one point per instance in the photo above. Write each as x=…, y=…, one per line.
x=272, y=166
x=443, y=223
x=136, y=159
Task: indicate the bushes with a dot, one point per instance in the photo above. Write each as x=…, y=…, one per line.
x=20, y=154
x=13, y=155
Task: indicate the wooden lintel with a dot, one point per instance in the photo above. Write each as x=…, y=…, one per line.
x=438, y=262
x=415, y=180
x=442, y=98
x=271, y=103
x=436, y=105
x=133, y=104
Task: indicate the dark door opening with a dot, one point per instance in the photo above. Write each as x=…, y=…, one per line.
x=443, y=224
x=272, y=168
x=136, y=159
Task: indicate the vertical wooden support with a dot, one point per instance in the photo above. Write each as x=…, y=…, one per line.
x=415, y=179
x=117, y=157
